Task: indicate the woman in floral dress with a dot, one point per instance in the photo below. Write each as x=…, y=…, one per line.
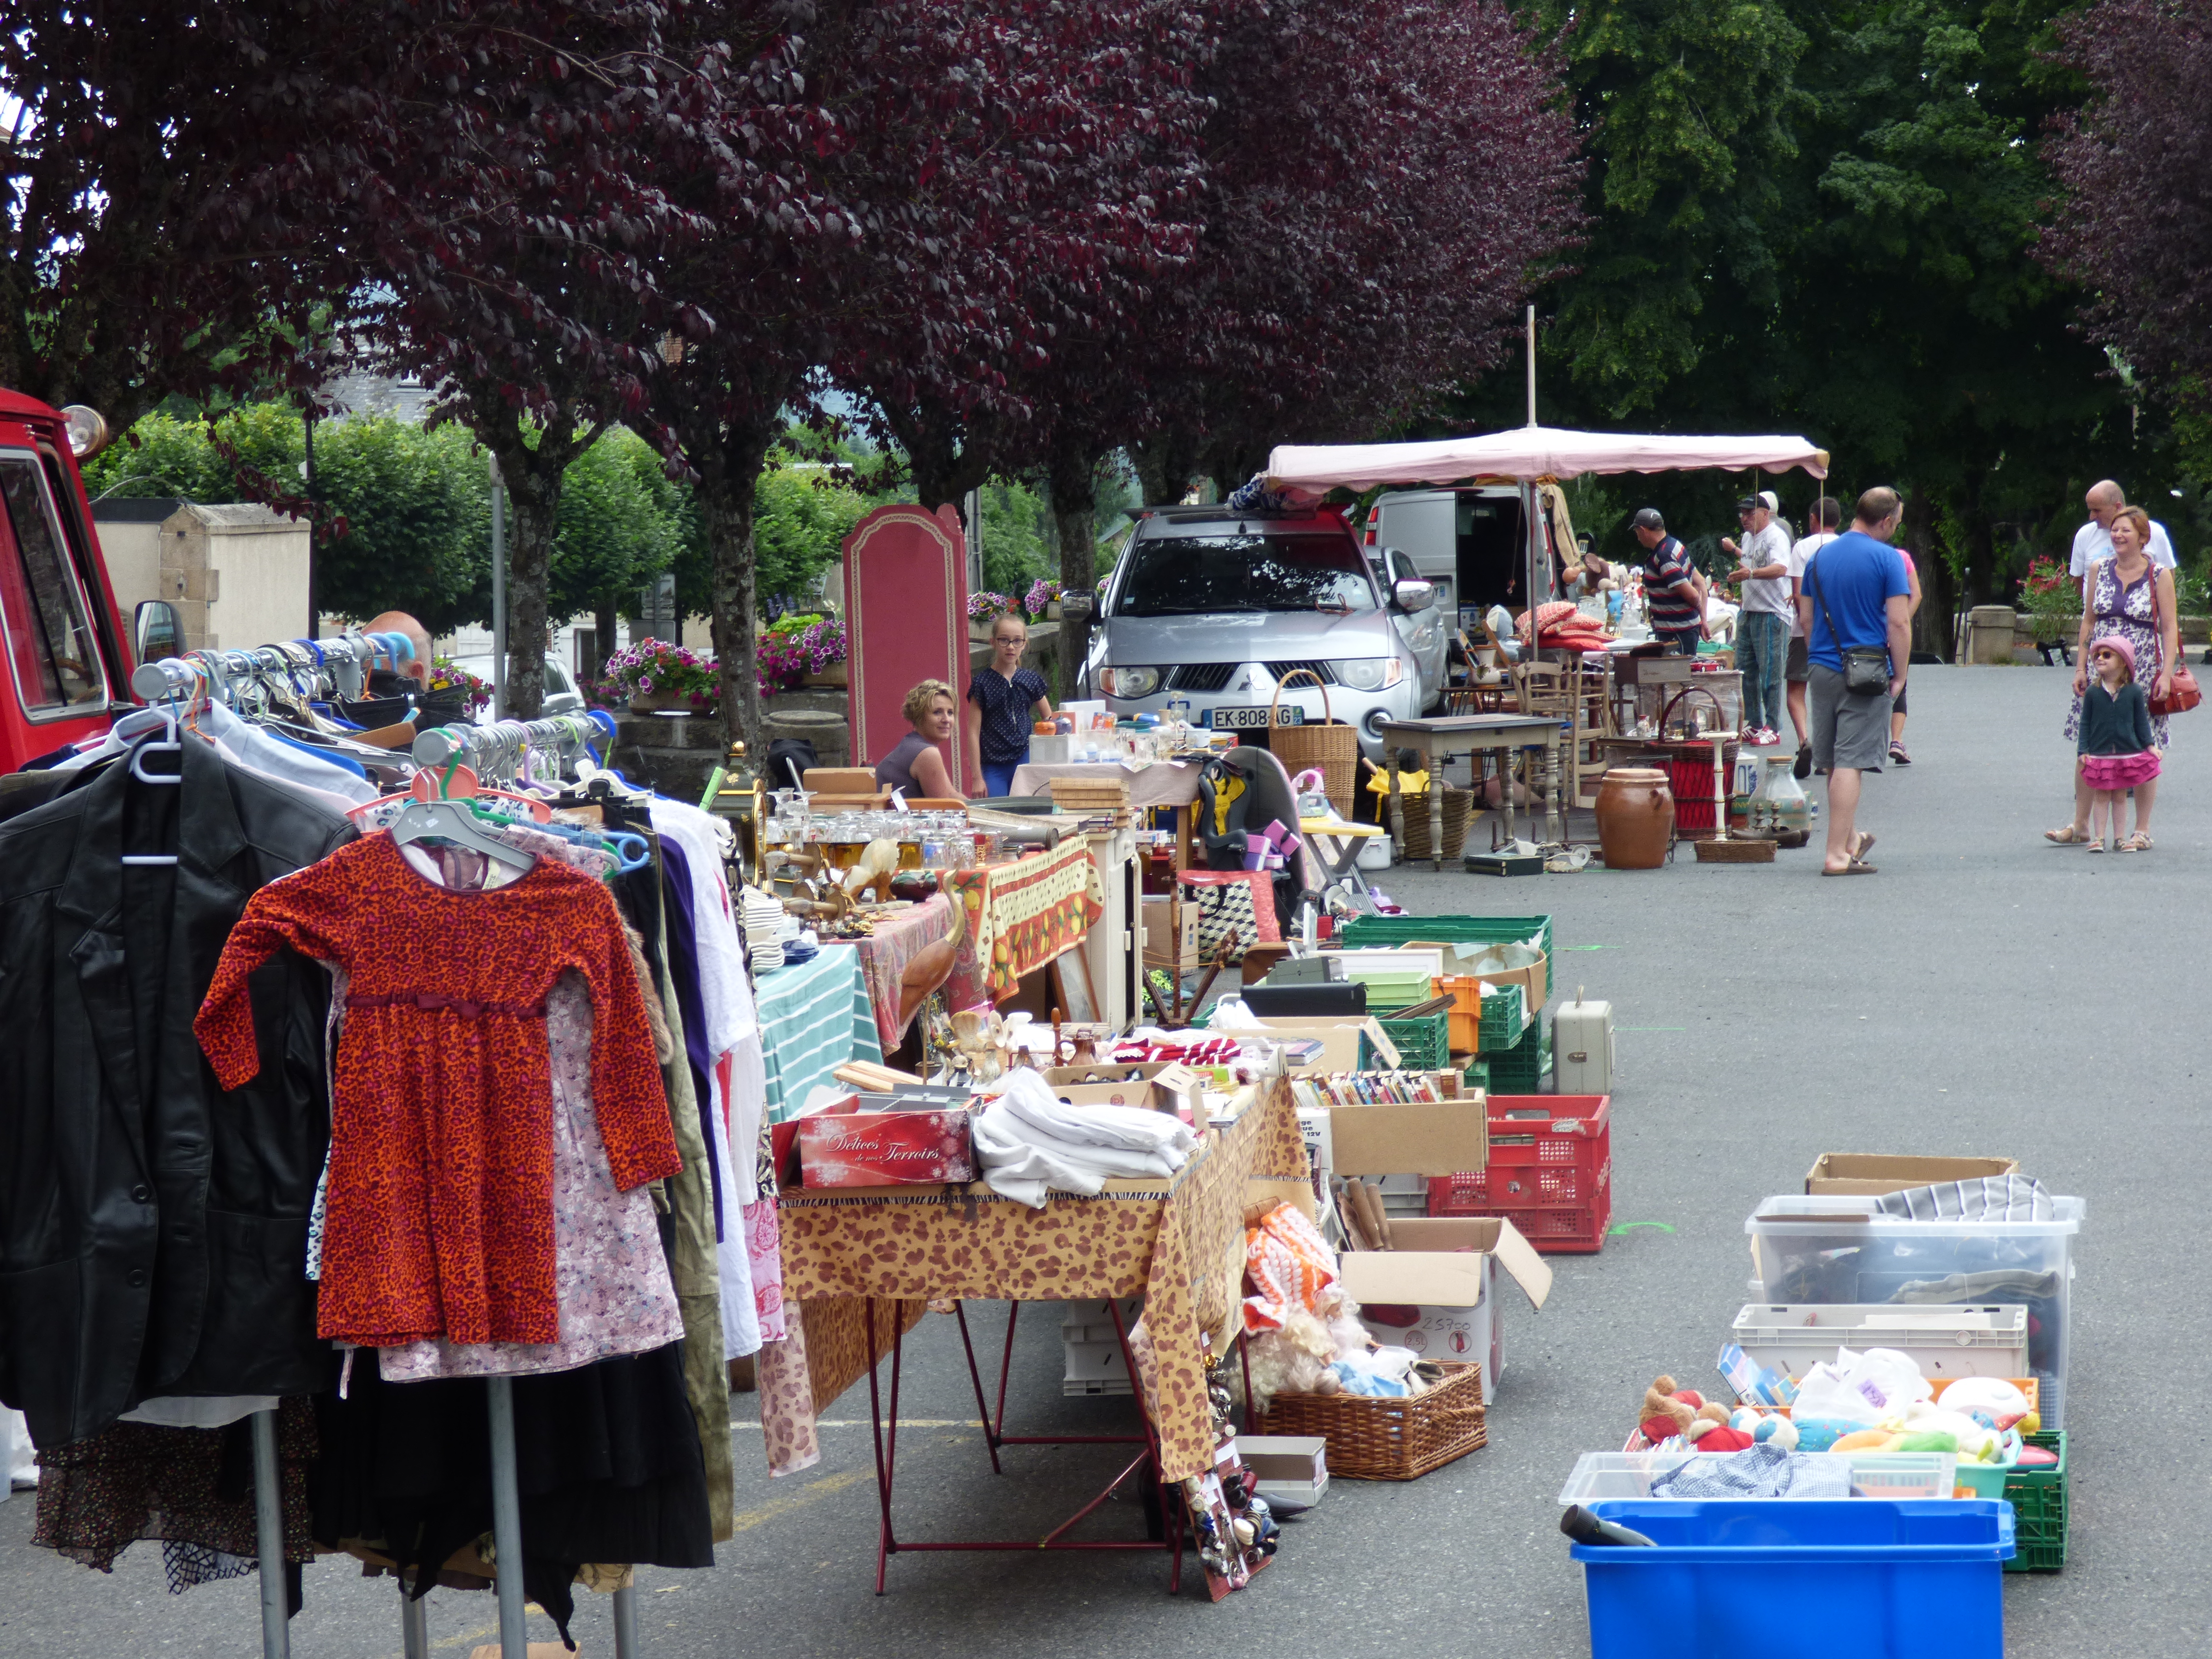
x=2130, y=597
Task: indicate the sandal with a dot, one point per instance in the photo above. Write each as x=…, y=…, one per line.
x=2068, y=836
x=2138, y=842
x=1862, y=844
x=2098, y=846
x=1854, y=868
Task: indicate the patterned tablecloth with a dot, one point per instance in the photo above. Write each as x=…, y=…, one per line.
x=850, y=1258
x=814, y=1018
x=884, y=954
x=1021, y=915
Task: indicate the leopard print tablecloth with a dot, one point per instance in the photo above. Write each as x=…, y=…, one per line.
x=1180, y=1242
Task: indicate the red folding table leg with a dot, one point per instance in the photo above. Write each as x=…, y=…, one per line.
x=982, y=1411
x=884, y=1545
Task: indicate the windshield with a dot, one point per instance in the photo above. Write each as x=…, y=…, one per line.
x=1195, y=575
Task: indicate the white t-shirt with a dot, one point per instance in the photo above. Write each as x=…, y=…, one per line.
x=1769, y=546
x=2092, y=542
x=1801, y=555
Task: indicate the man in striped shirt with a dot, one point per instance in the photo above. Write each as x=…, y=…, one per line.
x=1674, y=592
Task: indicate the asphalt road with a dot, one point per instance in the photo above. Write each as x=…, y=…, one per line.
x=1985, y=993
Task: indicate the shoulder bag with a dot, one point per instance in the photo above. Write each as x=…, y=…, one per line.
x=1866, y=667
x=2186, y=693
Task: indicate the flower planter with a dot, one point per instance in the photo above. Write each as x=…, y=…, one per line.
x=668, y=703
x=838, y=673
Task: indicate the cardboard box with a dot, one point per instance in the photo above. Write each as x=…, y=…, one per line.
x=1340, y=1041
x=1437, y=1293
x=1534, y=980
x=848, y=1145
x=1872, y=1174
x=1162, y=1085
x=1160, y=946
x=1425, y=1140
x=1289, y=1466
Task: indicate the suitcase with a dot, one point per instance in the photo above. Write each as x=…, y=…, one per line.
x=1582, y=1046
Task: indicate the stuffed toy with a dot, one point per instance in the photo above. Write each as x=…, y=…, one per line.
x=1670, y=1413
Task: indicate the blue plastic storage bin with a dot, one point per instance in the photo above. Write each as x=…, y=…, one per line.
x=1868, y=1578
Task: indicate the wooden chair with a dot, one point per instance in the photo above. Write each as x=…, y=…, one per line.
x=1481, y=691
x=1563, y=691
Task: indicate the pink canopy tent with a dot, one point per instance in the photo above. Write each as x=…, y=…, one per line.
x=1527, y=453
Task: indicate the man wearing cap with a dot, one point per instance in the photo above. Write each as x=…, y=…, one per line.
x=1762, y=626
x=1855, y=598
x=1674, y=592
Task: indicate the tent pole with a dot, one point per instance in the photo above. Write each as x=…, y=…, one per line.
x=1532, y=365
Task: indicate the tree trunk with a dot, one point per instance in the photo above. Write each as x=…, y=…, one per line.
x=727, y=501
x=604, y=621
x=1073, y=479
x=947, y=455
x=1939, y=586
x=1165, y=463
x=533, y=480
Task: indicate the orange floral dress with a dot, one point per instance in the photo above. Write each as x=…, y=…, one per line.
x=439, y=1214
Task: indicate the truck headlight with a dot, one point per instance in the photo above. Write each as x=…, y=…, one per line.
x=1369, y=673
x=1128, y=682
x=87, y=431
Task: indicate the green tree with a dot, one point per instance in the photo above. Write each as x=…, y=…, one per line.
x=417, y=505
x=620, y=525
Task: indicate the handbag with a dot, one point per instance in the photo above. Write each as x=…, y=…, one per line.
x=1228, y=903
x=1866, y=667
x=2186, y=693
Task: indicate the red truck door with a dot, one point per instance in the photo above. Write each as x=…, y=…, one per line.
x=68, y=666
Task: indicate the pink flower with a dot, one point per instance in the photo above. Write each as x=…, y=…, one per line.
x=645, y=682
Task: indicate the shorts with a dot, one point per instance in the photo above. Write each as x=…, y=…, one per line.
x=1848, y=730
x=1897, y=707
x=1681, y=642
x=1798, y=667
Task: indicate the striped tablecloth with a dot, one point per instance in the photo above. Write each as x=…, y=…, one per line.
x=814, y=1018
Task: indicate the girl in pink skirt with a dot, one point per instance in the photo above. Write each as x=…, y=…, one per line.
x=2116, y=751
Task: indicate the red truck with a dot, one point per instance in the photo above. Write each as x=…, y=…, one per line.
x=68, y=658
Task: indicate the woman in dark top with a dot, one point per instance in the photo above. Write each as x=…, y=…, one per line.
x=1003, y=699
x=917, y=764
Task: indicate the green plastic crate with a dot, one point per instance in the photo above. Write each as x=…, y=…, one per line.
x=1424, y=1042
x=1449, y=930
x=1504, y=1017
x=1519, y=1070
x=1475, y=1074
x=2037, y=1497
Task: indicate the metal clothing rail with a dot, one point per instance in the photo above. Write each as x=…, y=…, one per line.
x=333, y=667
x=497, y=750
x=414, y=1623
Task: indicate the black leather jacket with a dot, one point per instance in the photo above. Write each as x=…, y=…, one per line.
x=153, y=1228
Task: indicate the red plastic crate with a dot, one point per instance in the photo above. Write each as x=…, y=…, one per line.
x=1550, y=1174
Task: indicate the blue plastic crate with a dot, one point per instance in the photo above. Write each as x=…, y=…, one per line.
x=1900, y=1579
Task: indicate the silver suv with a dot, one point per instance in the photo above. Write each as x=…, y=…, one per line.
x=1214, y=608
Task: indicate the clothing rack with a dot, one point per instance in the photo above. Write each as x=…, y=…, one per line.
x=498, y=750
x=333, y=667
x=413, y=1624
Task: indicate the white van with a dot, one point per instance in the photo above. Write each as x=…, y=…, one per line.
x=1470, y=543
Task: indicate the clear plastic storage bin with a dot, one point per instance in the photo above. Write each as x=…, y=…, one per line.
x=1600, y=1476
x=1841, y=1249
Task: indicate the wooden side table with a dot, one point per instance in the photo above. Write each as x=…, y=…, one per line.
x=1440, y=739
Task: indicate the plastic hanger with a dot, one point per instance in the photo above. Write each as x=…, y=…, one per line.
x=448, y=818
x=170, y=744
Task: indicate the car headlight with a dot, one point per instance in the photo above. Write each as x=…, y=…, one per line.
x=1369, y=673
x=1128, y=682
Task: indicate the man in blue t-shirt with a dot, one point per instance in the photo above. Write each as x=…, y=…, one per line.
x=1854, y=597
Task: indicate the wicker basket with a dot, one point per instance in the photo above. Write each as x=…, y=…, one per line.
x=1331, y=747
x=1373, y=1439
x=1458, y=803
